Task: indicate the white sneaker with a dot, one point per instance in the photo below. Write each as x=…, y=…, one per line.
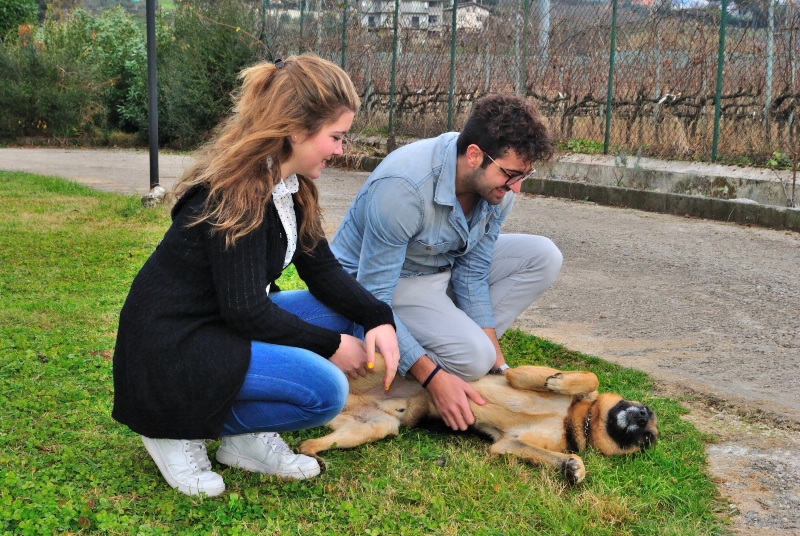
x=265, y=453
x=184, y=465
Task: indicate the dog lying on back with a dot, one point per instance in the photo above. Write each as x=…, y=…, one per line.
x=535, y=413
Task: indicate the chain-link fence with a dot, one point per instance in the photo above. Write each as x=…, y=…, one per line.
x=669, y=95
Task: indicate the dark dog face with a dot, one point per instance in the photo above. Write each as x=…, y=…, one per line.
x=631, y=424
x=622, y=426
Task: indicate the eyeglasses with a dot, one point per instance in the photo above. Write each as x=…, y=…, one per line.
x=513, y=175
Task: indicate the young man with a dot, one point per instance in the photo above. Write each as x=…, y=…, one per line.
x=423, y=235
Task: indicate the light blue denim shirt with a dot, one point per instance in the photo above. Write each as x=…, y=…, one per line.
x=406, y=221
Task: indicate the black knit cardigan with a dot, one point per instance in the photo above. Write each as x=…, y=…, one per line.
x=185, y=330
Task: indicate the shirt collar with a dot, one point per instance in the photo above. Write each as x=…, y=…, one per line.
x=445, y=193
x=287, y=186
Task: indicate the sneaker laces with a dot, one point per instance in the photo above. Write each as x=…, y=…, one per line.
x=275, y=442
x=196, y=449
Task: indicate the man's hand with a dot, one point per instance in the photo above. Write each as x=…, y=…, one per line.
x=450, y=394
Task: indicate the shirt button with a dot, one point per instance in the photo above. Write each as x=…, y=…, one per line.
x=428, y=248
x=442, y=269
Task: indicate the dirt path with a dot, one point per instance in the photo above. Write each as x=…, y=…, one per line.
x=711, y=310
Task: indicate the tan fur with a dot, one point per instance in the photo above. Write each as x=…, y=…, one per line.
x=535, y=413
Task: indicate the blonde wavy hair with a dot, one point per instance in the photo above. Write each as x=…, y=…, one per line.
x=299, y=97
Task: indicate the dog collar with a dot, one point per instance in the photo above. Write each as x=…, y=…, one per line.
x=586, y=425
x=587, y=422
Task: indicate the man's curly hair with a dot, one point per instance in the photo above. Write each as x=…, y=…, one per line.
x=499, y=122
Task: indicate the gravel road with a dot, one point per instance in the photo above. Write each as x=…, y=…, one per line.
x=709, y=309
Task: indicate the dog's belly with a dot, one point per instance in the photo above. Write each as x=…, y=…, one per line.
x=534, y=416
x=372, y=387
x=544, y=430
x=547, y=433
x=520, y=403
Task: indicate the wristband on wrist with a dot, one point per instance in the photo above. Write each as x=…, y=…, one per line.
x=430, y=376
x=500, y=369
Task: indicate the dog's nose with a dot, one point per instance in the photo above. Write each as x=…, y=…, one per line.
x=644, y=416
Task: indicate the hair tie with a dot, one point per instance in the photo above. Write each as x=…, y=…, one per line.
x=278, y=63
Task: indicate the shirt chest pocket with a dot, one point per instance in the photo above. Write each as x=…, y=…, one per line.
x=422, y=248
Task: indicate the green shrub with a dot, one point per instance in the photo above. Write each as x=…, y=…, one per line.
x=581, y=145
x=199, y=56
x=82, y=74
x=112, y=46
x=43, y=90
x=70, y=76
x=208, y=46
x=13, y=13
x=119, y=51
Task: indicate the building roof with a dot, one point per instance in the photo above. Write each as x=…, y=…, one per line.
x=462, y=5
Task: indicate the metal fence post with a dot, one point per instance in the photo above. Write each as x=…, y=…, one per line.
x=344, y=31
x=544, y=32
x=524, y=62
x=611, y=74
x=302, y=20
x=152, y=92
x=720, y=64
x=452, y=90
x=263, y=21
x=792, y=66
x=390, y=141
x=264, y=34
x=517, y=53
x=770, y=64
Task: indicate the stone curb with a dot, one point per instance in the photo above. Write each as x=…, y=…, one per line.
x=677, y=204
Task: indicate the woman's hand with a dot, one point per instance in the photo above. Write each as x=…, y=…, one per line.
x=351, y=357
x=385, y=339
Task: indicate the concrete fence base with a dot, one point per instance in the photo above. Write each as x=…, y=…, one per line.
x=681, y=205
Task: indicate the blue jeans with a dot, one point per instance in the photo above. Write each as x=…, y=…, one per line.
x=288, y=388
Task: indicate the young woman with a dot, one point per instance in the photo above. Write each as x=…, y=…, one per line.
x=208, y=345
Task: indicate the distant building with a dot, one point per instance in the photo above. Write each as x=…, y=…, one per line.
x=427, y=15
x=469, y=16
x=414, y=14
x=376, y=13
x=435, y=15
x=287, y=12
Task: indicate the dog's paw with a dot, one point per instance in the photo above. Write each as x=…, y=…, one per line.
x=323, y=465
x=573, y=470
x=310, y=447
x=555, y=382
x=573, y=382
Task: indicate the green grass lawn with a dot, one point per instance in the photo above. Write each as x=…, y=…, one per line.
x=68, y=255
